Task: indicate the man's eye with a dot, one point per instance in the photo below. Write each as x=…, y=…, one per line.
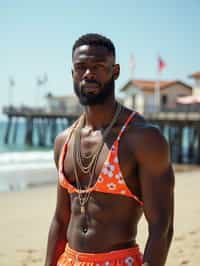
x=79, y=67
x=100, y=66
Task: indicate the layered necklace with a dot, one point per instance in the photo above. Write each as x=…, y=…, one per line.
x=87, y=162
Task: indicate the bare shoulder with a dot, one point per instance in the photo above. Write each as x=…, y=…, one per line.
x=147, y=133
x=148, y=143
x=143, y=128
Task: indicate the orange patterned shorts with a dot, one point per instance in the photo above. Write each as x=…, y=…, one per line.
x=122, y=257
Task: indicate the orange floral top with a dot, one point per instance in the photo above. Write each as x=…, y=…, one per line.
x=110, y=179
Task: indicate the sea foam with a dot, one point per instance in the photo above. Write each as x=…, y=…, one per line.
x=19, y=170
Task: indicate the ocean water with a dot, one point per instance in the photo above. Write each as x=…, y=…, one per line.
x=22, y=165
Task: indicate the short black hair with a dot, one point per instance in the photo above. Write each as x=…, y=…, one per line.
x=96, y=40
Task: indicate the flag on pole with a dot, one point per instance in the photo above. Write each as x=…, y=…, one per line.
x=11, y=81
x=161, y=64
x=11, y=86
x=41, y=80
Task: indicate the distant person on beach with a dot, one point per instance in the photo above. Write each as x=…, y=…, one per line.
x=112, y=166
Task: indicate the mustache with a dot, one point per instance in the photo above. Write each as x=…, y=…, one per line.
x=89, y=81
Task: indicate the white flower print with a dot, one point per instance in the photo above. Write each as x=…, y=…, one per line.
x=121, y=181
x=113, y=148
x=107, y=263
x=110, y=174
x=104, y=170
x=118, y=176
x=111, y=186
x=129, y=261
x=108, y=170
x=100, y=179
x=111, y=169
x=116, y=160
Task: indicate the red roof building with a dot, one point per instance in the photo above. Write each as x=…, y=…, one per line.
x=145, y=95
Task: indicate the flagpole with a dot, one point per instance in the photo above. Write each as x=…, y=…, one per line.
x=161, y=66
x=157, y=93
x=40, y=81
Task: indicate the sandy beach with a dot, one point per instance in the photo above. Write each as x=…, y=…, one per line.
x=26, y=215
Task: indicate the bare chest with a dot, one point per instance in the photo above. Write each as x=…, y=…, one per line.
x=89, y=145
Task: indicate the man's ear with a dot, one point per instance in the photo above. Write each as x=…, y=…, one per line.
x=116, y=71
x=72, y=72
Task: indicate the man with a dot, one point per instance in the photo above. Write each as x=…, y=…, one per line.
x=113, y=166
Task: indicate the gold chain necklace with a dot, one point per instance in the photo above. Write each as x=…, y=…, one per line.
x=86, y=167
x=84, y=193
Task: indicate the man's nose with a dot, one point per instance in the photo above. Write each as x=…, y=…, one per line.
x=89, y=74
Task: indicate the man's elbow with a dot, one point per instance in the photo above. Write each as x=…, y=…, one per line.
x=162, y=230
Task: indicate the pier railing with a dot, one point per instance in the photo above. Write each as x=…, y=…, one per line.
x=173, y=117
x=39, y=122
x=182, y=129
x=37, y=112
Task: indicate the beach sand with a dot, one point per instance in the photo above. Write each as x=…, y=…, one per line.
x=26, y=216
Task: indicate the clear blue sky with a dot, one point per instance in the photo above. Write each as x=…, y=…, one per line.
x=37, y=37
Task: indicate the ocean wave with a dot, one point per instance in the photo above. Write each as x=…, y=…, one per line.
x=29, y=157
x=26, y=166
x=19, y=170
x=20, y=178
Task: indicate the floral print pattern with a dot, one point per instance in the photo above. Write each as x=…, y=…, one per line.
x=110, y=179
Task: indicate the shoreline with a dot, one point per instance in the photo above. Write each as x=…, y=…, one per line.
x=25, y=179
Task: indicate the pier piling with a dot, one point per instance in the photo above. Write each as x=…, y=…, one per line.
x=8, y=128
x=42, y=128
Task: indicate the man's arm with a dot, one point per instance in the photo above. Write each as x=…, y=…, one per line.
x=57, y=234
x=157, y=185
x=57, y=238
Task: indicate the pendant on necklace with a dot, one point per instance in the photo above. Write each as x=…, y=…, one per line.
x=83, y=209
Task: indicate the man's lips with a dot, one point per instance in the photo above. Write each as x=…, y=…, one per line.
x=91, y=90
x=90, y=87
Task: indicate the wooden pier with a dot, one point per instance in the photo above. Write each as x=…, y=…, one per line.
x=182, y=130
x=41, y=126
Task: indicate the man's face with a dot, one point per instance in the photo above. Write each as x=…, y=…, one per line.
x=94, y=72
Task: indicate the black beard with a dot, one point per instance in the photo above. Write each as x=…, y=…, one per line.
x=93, y=99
